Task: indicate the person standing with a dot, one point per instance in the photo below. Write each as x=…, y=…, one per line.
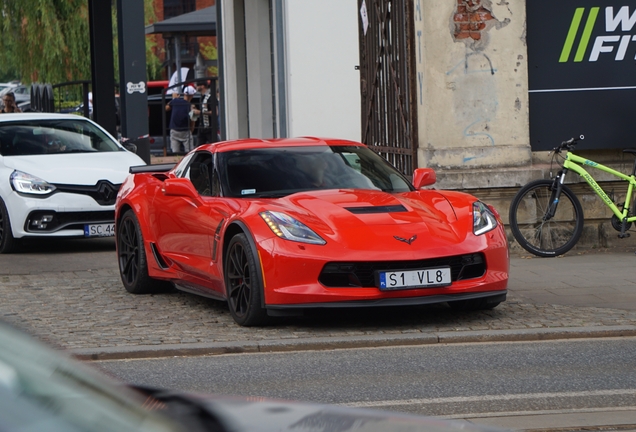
x=180, y=134
x=207, y=114
x=9, y=104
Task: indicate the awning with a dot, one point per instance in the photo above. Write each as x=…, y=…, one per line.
x=198, y=23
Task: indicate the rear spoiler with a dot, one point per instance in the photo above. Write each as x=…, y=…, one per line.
x=152, y=168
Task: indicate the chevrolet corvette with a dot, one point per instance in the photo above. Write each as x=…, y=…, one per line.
x=274, y=227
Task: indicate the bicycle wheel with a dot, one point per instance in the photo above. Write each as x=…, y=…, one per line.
x=527, y=218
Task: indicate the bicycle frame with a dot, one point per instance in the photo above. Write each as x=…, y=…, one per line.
x=572, y=162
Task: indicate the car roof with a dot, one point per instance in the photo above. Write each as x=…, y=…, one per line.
x=38, y=116
x=252, y=143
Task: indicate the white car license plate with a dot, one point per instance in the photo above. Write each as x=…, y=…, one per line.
x=432, y=277
x=99, y=230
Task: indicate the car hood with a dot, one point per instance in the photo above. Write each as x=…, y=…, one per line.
x=367, y=219
x=79, y=168
x=243, y=414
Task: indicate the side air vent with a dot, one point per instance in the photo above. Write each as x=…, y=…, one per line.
x=377, y=209
x=162, y=263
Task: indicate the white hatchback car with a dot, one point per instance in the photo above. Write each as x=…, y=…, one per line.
x=59, y=177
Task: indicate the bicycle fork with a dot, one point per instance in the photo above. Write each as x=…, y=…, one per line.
x=557, y=187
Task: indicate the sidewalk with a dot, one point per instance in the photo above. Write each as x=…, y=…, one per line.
x=582, y=294
x=602, y=278
x=589, y=293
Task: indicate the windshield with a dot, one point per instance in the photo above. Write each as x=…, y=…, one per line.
x=41, y=390
x=34, y=137
x=276, y=172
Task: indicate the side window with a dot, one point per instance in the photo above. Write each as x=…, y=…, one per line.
x=199, y=172
x=182, y=166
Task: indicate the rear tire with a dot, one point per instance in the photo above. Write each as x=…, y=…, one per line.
x=131, y=254
x=243, y=284
x=8, y=243
x=545, y=238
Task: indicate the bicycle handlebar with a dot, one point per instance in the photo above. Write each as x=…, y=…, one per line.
x=569, y=144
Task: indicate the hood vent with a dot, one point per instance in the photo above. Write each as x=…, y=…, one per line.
x=377, y=209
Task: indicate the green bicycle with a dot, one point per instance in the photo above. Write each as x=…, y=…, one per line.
x=546, y=218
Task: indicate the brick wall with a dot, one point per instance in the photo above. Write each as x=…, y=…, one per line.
x=201, y=4
x=470, y=19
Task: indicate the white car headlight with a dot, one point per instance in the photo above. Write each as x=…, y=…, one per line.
x=28, y=184
x=287, y=227
x=483, y=219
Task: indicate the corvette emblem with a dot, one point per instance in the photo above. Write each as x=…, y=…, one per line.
x=407, y=241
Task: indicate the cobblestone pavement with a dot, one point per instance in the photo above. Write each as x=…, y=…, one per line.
x=91, y=309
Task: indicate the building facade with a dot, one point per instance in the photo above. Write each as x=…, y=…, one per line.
x=458, y=84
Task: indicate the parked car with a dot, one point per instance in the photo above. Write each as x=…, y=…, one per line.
x=25, y=106
x=7, y=85
x=59, y=177
x=22, y=93
x=278, y=226
x=44, y=390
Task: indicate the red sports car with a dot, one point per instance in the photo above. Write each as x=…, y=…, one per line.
x=278, y=226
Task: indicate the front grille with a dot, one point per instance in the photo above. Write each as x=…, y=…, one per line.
x=362, y=274
x=104, y=192
x=51, y=221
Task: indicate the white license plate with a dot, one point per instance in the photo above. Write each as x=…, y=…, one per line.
x=99, y=230
x=432, y=277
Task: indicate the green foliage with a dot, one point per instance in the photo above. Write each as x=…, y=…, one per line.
x=48, y=40
x=209, y=52
x=45, y=40
x=153, y=63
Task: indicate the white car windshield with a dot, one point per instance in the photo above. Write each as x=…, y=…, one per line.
x=35, y=137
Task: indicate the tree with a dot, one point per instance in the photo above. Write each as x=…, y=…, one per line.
x=48, y=40
x=45, y=40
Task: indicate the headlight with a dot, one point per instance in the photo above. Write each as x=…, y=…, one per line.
x=287, y=227
x=28, y=184
x=483, y=219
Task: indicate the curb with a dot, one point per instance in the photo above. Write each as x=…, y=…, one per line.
x=330, y=343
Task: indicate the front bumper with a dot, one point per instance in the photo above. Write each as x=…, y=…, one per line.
x=489, y=297
x=303, y=287
x=69, y=213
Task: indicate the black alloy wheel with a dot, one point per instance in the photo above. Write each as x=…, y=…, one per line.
x=131, y=254
x=244, y=289
x=8, y=243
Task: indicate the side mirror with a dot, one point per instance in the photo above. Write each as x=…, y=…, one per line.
x=179, y=187
x=130, y=147
x=423, y=177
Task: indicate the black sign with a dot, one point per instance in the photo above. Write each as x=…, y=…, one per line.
x=582, y=72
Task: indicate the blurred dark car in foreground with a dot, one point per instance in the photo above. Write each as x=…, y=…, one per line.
x=43, y=390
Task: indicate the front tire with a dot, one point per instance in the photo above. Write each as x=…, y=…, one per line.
x=545, y=238
x=8, y=243
x=131, y=254
x=242, y=282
